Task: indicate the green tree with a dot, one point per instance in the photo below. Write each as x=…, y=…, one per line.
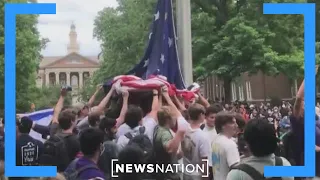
x=47, y=97
x=88, y=90
x=123, y=32
x=28, y=47
x=229, y=38
x=239, y=38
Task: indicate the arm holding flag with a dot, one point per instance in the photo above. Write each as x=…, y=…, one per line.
x=203, y=101
x=93, y=97
x=100, y=108
x=125, y=96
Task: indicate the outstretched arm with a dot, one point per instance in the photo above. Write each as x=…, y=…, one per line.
x=173, y=107
x=180, y=106
x=93, y=97
x=125, y=96
x=105, y=100
x=155, y=105
x=59, y=106
x=203, y=101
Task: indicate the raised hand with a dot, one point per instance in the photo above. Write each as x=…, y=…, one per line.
x=99, y=87
x=154, y=91
x=64, y=92
x=164, y=90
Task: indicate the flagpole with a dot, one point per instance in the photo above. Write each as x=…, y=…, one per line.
x=183, y=13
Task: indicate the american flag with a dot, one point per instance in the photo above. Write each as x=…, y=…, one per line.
x=161, y=56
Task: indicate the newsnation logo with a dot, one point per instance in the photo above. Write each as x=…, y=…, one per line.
x=201, y=169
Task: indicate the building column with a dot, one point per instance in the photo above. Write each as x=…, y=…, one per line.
x=80, y=79
x=68, y=79
x=57, y=78
x=47, y=78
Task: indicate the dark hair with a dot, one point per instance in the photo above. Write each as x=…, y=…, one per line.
x=25, y=125
x=93, y=119
x=222, y=119
x=261, y=137
x=240, y=121
x=90, y=141
x=214, y=109
x=195, y=110
x=66, y=118
x=105, y=125
x=131, y=154
x=185, y=114
x=133, y=116
x=284, y=111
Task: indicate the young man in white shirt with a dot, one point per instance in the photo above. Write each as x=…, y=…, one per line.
x=195, y=146
x=225, y=154
x=210, y=131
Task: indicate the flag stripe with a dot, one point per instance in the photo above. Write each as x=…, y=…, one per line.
x=38, y=115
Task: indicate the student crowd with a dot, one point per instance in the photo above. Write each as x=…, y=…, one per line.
x=237, y=139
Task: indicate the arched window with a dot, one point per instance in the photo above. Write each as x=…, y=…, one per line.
x=74, y=80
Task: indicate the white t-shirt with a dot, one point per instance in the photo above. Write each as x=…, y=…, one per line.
x=224, y=154
x=149, y=123
x=122, y=130
x=194, y=146
x=210, y=135
x=183, y=124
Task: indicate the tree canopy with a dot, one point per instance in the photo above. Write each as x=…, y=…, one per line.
x=229, y=38
x=28, y=49
x=123, y=32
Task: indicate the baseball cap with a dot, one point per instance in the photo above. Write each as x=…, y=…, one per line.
x=25, y=122
x=79, y=106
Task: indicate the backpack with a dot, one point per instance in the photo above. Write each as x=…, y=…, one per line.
x=288, y=145
x=55, y=152
x=73, y=173
x=105, y=161
x=256, y=175
x=143, y=141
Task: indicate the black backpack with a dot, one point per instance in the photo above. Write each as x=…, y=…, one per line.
x=143, y=141
x=288, y=146
x=73, y=173
x=256, y=175
x=55, y=152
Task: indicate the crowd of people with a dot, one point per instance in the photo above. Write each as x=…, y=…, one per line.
x=234, y=140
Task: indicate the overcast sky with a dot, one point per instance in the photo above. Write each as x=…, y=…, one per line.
x=57, y=27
